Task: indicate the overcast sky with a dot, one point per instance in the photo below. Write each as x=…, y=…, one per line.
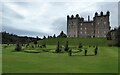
x=48, y=18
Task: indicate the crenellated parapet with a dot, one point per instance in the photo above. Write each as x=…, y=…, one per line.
x=75, y=17
x=102, y=14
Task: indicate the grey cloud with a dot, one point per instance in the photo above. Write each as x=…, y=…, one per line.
x=85, y=15
x=6, y=20
x=8, y=12
x=60, y=25
x=24, y=4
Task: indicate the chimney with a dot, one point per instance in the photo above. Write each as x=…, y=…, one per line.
x=88, y=18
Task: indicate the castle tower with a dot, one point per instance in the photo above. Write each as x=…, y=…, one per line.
x=101, y=24
x=72, y=26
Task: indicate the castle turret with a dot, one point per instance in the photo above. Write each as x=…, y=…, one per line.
x=96, y=14
x=72, y=16
x=77, y=16
x=101, y=13
x=108, y=13
x=68, y=17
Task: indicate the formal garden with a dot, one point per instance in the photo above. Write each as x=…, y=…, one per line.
x=61, y=55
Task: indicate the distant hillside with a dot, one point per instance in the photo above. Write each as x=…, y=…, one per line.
x=8, y=38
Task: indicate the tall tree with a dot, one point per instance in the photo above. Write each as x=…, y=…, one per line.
x=62, y=35
x=44, y=37
x=54, y=36
x=108, y=36
x=35, y=42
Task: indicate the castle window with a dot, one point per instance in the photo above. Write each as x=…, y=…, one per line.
x=91, y=32
x=104, y=22
x=85, y=32
x=81, y=24
x=85, y=28
x=98, y=32
x=104, y=32
x=81, y=28
x=92, y=24
x=98, y=23
x=81, y=32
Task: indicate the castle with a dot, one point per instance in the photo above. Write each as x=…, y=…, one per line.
x=98, y=27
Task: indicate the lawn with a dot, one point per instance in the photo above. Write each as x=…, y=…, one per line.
x=49, y=62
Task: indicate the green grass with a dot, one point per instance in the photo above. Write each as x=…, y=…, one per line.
x=76, y=41
x=48, y=62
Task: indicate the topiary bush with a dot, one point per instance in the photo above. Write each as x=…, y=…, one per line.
x=43, y=44
x=27, y=45
x=70, y=52
x=18, y=47
x=66, y=46
x=58, y=50
x=80, y=45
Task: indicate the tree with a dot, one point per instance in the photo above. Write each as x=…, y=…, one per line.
x=85, y=52
x=35, y=42
x=27, y=45
x=54, y=36
x=96, y=49
x=70, y=52
x=43, y=44
x=116, y=36
x=80, y=45
x=62, y=35
x=44, y=37
x=48, y=36
x=37, y=38
x=66, y=46
x=18, y=47
x=108, y=36
x=13, y=38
